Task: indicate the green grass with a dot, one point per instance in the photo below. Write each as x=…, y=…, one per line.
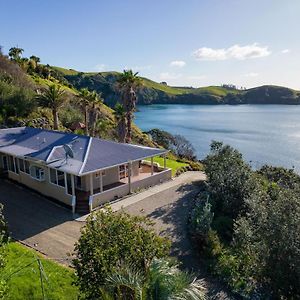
x=45, y=82
x=214, y=90
x=172, y=164
x=26, y=283
x=65, y=71
x=165, y=88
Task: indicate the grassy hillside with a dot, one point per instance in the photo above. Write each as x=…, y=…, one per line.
x=23, y=279
x=152, y=92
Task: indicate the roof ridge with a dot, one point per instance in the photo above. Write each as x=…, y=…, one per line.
x=86, y=155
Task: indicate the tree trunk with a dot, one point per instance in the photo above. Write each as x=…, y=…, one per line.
x=122, y=131
x=86, y=120
x=55, y=119
x=95, y=123
x=91, y=121
x=128, y=133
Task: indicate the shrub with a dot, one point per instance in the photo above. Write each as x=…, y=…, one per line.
x=161, y=137
x=178, y=144
x=229, y=178
x=200, y=220
x=269, y=235
x=224, y=226
x=110, y=239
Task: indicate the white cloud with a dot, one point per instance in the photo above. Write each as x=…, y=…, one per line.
x=251, y=74
x=100, y=67
x=177, y=63
x=285, y=51
x=169, y=76
x=233, y=52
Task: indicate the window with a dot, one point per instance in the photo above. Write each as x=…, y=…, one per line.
x=21, y=165
x=123, y=170
x=69, y=184
x=37, y=173
x=26, y=166
x=53, y=178
x=97, y=174
x=57, y=177
x=12, y=165
x=60, y=178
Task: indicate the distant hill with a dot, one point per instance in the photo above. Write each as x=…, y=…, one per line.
x=153, y=92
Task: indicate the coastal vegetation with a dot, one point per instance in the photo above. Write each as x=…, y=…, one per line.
x=246, y=225
x=119, y=256
x=123, y=260
x=33, y=94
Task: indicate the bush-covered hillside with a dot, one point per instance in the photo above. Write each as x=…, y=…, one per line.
x=23, y=80
x=158, y=93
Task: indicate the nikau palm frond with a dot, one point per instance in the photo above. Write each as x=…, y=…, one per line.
x=54, y=97
x=127, y=283
x=164, y=281
x=194, y=291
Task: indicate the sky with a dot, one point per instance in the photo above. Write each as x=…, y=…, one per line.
x=185, y=43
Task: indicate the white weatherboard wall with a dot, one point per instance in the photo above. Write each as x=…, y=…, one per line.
x=44, y=187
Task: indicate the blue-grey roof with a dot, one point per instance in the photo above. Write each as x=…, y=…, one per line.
x=90, y=154
x=103, y=154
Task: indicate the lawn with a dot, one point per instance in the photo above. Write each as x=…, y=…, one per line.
x=172, y=164
x=26, y=284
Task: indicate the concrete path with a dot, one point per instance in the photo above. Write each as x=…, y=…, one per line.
x=185, y=178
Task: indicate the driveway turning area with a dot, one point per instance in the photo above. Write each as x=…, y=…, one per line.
x=39, y=223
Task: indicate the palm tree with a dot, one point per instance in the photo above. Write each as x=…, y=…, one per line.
x=34, y=61
x=120, y=116
x=128, y=82
x=95, y=102
x=164, y=281
x=15, y=53
x=54, y=97
x=83, y=99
